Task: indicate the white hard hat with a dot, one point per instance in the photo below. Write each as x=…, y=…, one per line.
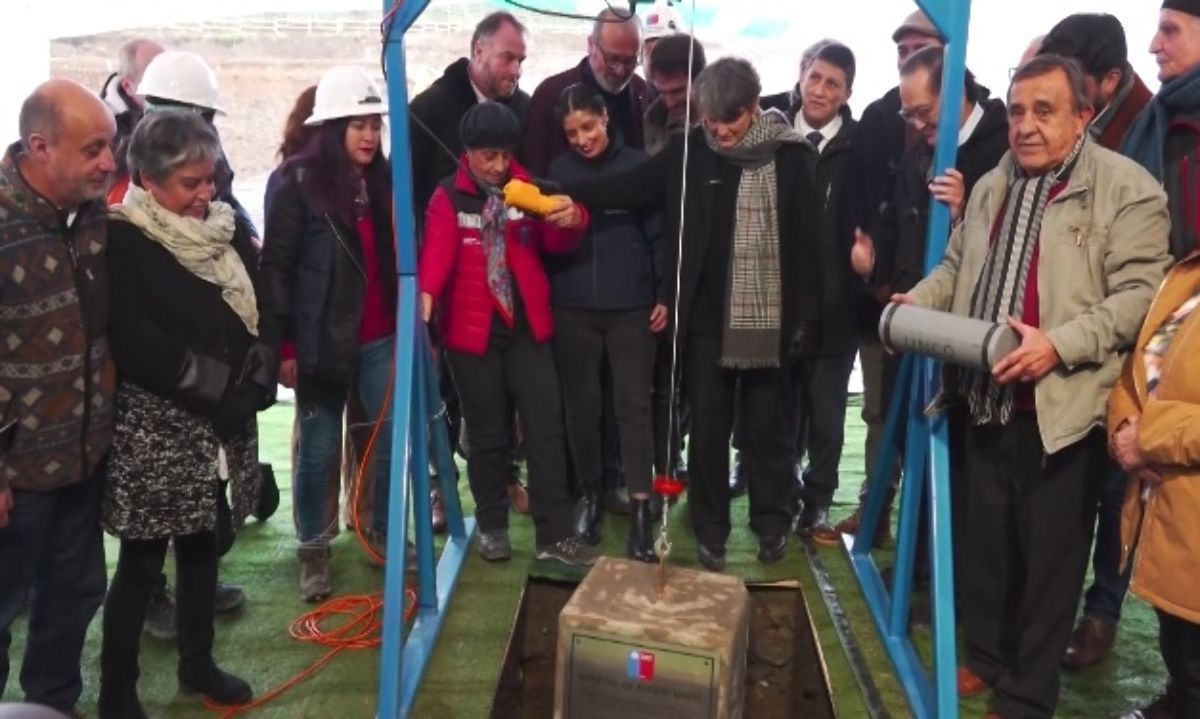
x=346, y=91
x=662, y=20
x=183, y=77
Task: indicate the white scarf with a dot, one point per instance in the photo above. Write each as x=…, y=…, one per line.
x=203, y=247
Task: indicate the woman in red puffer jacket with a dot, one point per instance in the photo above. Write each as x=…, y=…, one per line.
x=481, y=265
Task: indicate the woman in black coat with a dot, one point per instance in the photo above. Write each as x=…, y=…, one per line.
x=608, y=300
x=748, y=299
x=196, y=363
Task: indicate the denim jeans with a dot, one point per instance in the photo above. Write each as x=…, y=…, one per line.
x=321, y=440
x=1104, y=598
x=53, y=547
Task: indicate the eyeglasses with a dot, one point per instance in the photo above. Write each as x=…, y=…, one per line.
x=923, y=113
x=615, y=62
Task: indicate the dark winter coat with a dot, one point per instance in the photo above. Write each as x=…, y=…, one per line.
x=440, y=108
x=312, y=268
x=544, y=137
x=708, y=220
x=618, y=265
x=900, y=234
x=163, y=477
x=842, y=295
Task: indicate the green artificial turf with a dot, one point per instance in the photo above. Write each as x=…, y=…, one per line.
x=462, y=676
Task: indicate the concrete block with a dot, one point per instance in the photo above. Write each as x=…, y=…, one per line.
x=626, y=653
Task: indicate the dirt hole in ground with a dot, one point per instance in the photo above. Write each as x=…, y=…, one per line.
x=784, y=678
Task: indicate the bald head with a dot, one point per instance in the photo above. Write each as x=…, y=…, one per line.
x=614, y=47
x=56, y=102
x=67, y=134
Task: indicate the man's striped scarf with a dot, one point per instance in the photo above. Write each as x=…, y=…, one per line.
x=1000, y=290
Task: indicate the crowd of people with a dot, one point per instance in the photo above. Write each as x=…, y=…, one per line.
x=709, y=263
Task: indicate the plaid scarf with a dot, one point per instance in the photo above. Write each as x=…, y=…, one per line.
x=499, y=279
x=1000, y=290
x=753, y=305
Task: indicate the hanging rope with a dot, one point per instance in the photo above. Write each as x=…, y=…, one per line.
x=669, y=487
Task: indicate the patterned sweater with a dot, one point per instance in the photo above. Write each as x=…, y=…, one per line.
x=56, y=377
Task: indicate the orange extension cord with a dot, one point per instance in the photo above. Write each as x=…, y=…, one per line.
x=362, y=615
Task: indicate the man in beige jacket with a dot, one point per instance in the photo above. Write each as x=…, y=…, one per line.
x=1066, y=242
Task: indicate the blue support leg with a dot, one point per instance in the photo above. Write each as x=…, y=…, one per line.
x=926, y=456
x=403, y=663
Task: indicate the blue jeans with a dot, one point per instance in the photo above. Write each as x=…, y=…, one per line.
x=321, y=440
x=1104, y=598
x=52, y=547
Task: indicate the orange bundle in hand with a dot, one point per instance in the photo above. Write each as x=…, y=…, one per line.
x=527, y=198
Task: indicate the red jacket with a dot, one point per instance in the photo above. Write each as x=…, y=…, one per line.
x=453, y=266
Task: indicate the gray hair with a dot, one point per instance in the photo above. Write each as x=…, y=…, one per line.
x=127, y=59
x=41, y=115
x=727, y=88
x=1046, y=64
x=613, y=16
x=810, y=52
x=166, y=140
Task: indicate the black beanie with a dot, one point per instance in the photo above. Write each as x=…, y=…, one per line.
x=490, y=125
x=1191, y=7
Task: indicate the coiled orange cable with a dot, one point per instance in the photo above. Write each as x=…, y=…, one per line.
x=361, y=625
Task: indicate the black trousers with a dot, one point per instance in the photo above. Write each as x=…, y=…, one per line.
x=767, y=417
x=52, y=554
x=1179, y=641
x=139, y=566
x=582, y=339
x=821, y=384
x=1030, y=518
x=517, y=373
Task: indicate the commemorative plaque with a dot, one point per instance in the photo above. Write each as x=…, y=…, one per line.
x=625, y=651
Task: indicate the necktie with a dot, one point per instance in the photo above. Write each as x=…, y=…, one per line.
x=815, y=138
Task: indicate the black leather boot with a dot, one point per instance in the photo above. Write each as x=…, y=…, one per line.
x=204, y=677
x=119, y=701
x=588, y=515
x=196, y=567
x=641, y=531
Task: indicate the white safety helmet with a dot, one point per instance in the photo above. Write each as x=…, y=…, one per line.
x=662, y=20
x=346, y=91
x=183, y=77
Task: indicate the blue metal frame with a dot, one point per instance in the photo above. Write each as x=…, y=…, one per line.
x=926, y=458
x=417, y=428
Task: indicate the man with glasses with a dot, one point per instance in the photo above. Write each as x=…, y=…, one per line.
x=614, y=49
x=879, y=148
x=891, y=252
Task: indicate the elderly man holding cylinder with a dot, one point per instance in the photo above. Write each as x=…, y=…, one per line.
x=1064, y=241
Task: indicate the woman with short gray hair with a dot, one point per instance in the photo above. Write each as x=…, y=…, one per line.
x=196, y=361
x=748, y=298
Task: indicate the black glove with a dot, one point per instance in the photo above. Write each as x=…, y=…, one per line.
x=203, y=380
x=548, y=187
x=261, y=369
x=805, y=339
x=237, y=410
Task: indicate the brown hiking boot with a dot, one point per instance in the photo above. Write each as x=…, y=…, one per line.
x=849, y=525
x=437, y=511
x=1090, y=643
x=518, y=497
x=315, y=584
